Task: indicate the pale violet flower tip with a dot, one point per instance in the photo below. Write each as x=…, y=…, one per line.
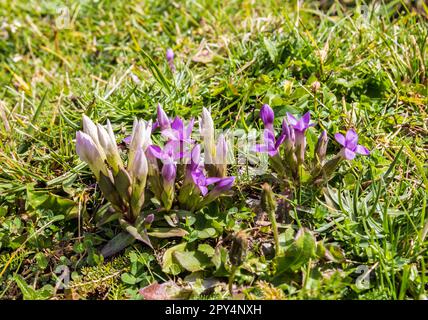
x=267, y=115
x=162, y=118
x=139, y=167
x=86, y=148
x=225, y=184
x=169, y=171
x=169, y=54
x=127, y=140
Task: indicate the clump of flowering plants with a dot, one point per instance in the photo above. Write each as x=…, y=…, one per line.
x=157, y=178
x=288, y=150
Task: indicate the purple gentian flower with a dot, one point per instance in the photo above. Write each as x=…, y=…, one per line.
x=195, y=163
x=222, y=186
x=89, y=152
x=170, y=59
x=301, y=125
x=169, y=54
x=178, y=132
x=201, y=181
x=267, y=116
x=270, y=145
x=289, y=135
x=127, y=140
x=350, y=145
x=162, y=121
x=180, y=136
x=169, y=171
x=168, y=154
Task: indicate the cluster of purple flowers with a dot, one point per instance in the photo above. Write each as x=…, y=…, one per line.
x=180, y=151
x=155, y=168
x=287, y=151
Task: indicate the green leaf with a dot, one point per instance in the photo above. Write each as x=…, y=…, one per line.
x=191, y=261
x=206, y=249
x=219, y=260
x=169, y=264
x=128, y=278
x=42, y=261
x=301, y=250
x=29, y=293
x=122, y=182
x=271, y=49
x=167, y=232
x=206, y=233
x=109, y=191
x=46, y=200
x=117, y=244
x=140, y=235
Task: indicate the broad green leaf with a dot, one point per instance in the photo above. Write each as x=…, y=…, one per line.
x=169, y=264
x=206, y=233
x=301, y=250
x=188, y=261
x=192, y=260
x=128, y=278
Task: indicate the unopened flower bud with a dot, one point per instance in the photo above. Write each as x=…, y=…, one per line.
x=89, y=152
x=207, y=133
x=107, y=141
x=267, y=115
x=163, y=120
x=321, y=147
x=221, y=157
x=315, y=86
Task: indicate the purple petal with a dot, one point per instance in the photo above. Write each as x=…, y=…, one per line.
x=155, y=126
x=189, y=128
x=269, y=137
x=272, y=152
x=306, y=119
x=169, y=54
x=149, y=219
x=349, y=154
x=204, y=190
x=362, y=150
x=260, y=148
x=212, y=180
x=171, y=134
x=156, y=151
x=280, y=140
x=169, y=171
x=225, y=184
x=196, y=154
x=291, y=119
x=267, y=115
x=177, y=124
x=340, y=138
x=127, y=140
x=198, y=176
x=163, y=120
x=351, y=139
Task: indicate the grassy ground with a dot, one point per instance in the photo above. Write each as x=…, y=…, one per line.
x=108, y=61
